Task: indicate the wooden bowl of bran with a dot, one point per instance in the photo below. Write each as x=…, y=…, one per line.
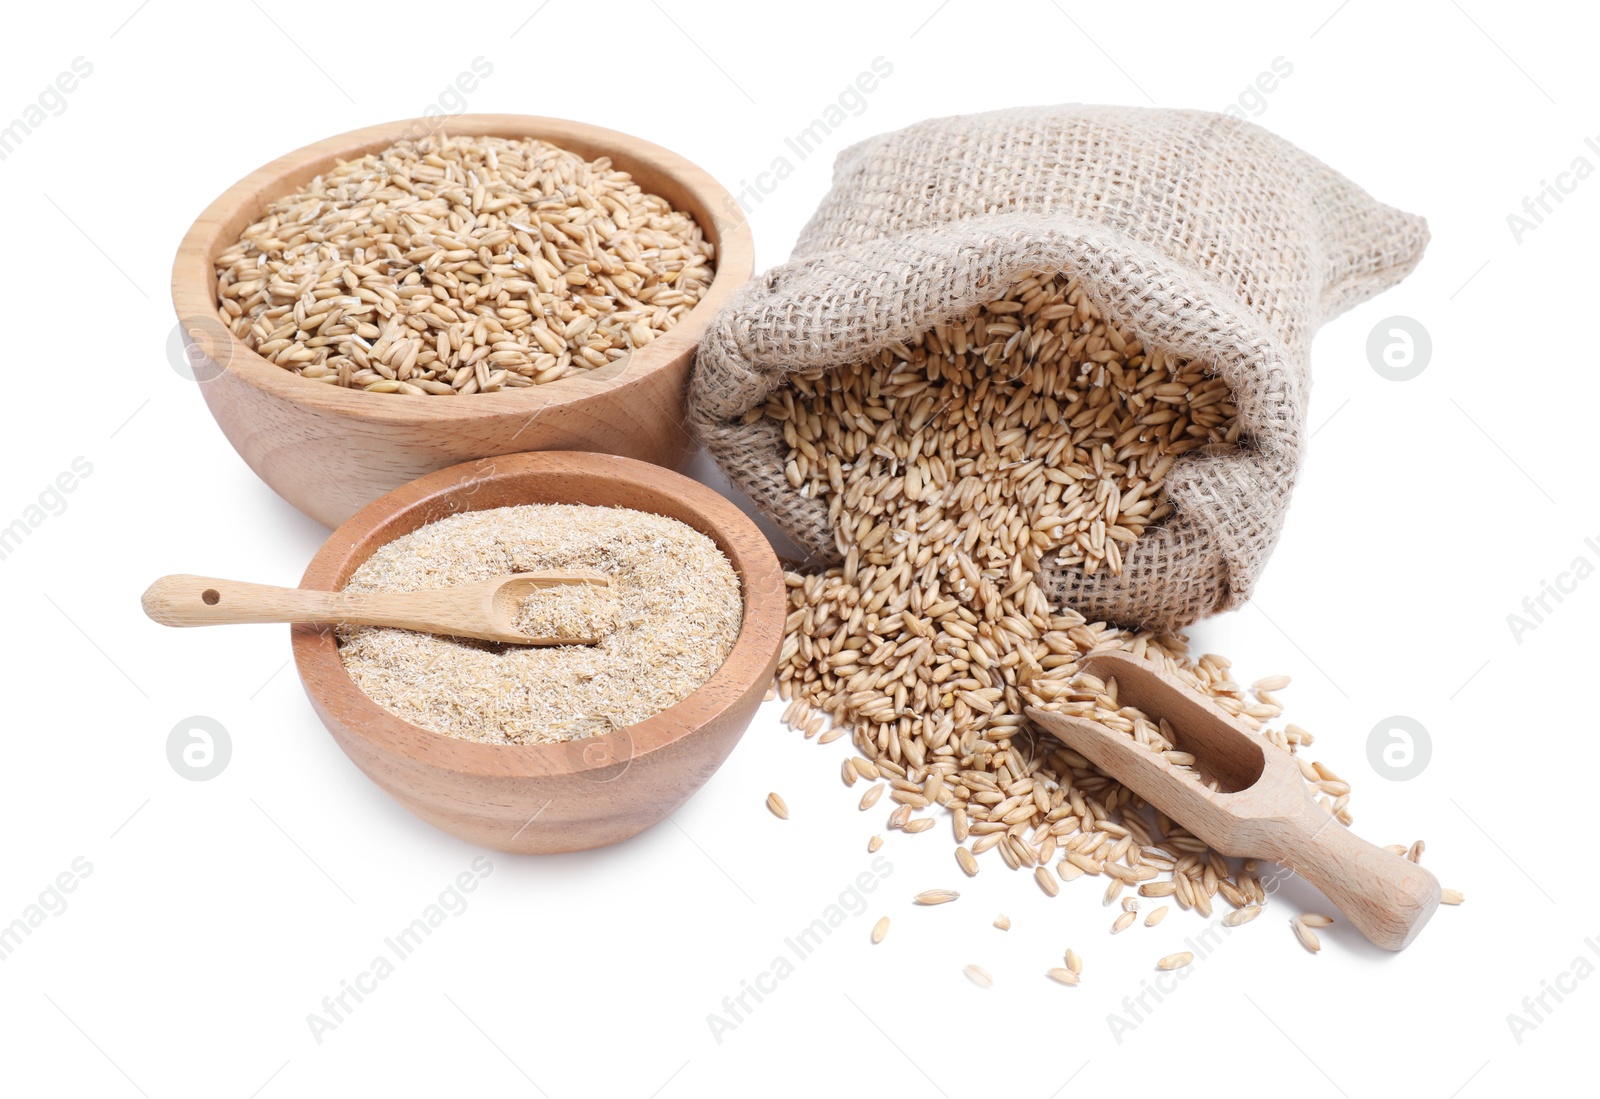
x=330, y=450
x=576, y=794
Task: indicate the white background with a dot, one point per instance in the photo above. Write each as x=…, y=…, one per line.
x=218, y=914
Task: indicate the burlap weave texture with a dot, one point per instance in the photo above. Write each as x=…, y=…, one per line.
x=1206, y=236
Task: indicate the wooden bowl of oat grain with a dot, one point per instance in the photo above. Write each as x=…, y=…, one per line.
x=569, y=795
x=332, y=421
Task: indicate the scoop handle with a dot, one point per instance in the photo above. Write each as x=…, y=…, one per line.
x=183, y=600
x=1387, y=898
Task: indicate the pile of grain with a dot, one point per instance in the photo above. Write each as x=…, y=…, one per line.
x=1030, y=426
x=1021, y=792
x=576, y=610
x=950, y=468
x=673, y=609
x=457, y=265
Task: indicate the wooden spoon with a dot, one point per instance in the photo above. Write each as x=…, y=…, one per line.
x=486, y=610
x=1261, y=809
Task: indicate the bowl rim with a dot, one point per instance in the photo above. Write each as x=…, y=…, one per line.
x=763, y=595
x=194, y=282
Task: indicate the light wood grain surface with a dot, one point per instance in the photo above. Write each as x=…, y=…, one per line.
x=1262, y=810
x=486, y=610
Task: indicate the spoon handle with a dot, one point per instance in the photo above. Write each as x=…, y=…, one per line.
x=183, y=600
x=470, y=610
x=1387, y=898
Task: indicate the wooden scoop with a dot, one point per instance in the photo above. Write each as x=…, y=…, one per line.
x=485, y=610
x=1261, y=810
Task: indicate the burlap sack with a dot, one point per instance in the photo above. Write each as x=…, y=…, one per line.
x=1205, y=235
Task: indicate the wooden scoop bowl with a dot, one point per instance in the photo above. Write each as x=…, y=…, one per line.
x=486, y=610
x=1261, y=809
